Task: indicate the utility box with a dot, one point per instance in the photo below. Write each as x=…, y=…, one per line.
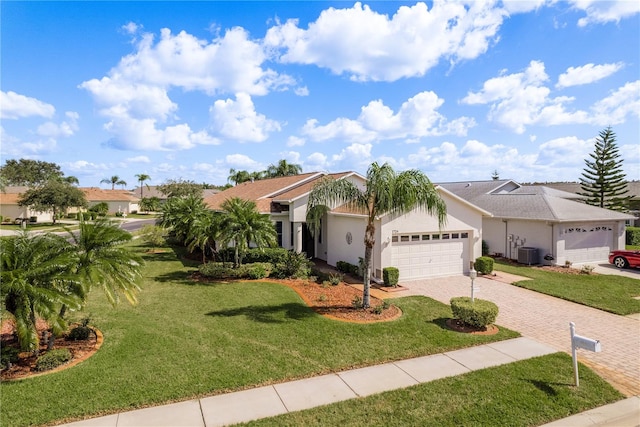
x=528, y=256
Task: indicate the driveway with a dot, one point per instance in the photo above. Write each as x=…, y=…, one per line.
x=546, y=319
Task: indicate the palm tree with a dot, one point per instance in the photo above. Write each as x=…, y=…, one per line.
x=242, y=225
x=142, y=177
x=102, y=260
x=283, y=169
x=71, y=180
x=238, y=177
x=205, y=230
x=386, y=193
x=179, y=214
x=36, y=280
x=114, y=180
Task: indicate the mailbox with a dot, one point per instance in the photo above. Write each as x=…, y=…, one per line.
x=586, y=343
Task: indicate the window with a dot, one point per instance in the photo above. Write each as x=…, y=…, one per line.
x=445, y=236
x=279, y=231
x=394, y=239
x=464, y=235
x=415, y=238
x=404, y=238
x=455, y=235
x=435, y=237
x=426, y=237
x=291, y=234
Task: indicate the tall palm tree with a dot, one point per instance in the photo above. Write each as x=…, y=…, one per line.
x=283, y=168
x=36, y=280
x=204, y=232
x=102, y=260
x=238, y=177
x=114, y=180
x=386, y=193
x=142, y=177
x=242, y=225
x=179, y=214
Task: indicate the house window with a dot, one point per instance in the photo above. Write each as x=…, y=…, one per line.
x=455, y=235
x=404, y=238
x=426, y=237
x=279, y=231
x=464, y=235
x=415, y=238
x=435, y=237
x=394, y=239
x=445, y=236
x=291, y=235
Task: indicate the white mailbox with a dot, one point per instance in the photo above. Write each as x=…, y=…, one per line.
x=586, y=343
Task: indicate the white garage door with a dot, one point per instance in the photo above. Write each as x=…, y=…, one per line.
x=588, y=243
x=425, y=255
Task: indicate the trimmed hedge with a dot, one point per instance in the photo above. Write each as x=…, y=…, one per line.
x=479, y=313
x=52, y=359
x=218, y=270
x=632, y=236
x=390, y=276
x=348, y=268
x=484, y=265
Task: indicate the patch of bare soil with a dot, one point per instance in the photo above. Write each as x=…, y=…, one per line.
x=26, y=365
x=335, y=302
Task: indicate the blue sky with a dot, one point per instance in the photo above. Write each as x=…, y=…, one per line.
x=189, y=90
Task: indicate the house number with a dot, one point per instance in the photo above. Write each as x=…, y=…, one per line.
x=349, y=237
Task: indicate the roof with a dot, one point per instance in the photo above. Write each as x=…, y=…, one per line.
x=94, y=194
x=574, y=187
x=509, y=200
x=264, y=192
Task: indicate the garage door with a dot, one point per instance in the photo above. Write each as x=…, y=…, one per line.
x=425, y=255
x=588, y=243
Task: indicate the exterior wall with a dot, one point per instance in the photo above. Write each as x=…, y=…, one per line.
x=15, y=211
x=509, y=235
x=118, y=206
x=337, y=247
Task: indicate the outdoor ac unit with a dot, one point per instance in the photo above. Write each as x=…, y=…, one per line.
x=528, y=255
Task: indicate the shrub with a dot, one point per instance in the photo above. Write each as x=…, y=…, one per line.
x=357, y=302
x=120, y=214
x=632, y=236
x=378, y=309
x=52, y=359
x=348, y=268
x=79, y=333
x=8, y=355
x=257, y=271
x=101, y=208
x=390, y=276
x=587, y=269
x=485, y=248
x=293, y=265
x=484, y=265
x=320, y=276
x=272, y=255
x=335, y=278
x=478, y=314
x=219, y=270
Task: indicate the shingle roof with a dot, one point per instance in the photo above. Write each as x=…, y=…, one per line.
x=94, y=194
x=633, y=188
x=529, y=202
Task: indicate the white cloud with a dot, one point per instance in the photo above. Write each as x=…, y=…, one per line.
x=138, y=159
x=615, y=108
x=521, y=99
x=586, y=74
x=316, y=162
x=241, y=161
x=522, y=6
x=416, y=118
x=16, y=106
x=65, y=129
x=354, y=157
x=131, y=28
x=602, y=12
x=294, y=141
x=371, y=46
x=237, y=120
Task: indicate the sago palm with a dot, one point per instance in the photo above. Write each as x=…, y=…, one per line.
x=385, y=193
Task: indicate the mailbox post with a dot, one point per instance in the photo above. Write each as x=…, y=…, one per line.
x=585, y=343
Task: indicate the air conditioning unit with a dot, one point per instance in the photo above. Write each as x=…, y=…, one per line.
x=528, y=256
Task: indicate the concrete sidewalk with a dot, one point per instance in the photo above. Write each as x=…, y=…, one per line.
x=303, y=394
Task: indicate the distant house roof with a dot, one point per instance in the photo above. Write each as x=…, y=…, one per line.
x=633, y=188
x=153, y=191
x=10, y=195
x=509, y=200
x=94, y=194
x=267, y=192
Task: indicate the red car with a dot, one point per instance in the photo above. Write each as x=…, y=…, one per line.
x=624, y=259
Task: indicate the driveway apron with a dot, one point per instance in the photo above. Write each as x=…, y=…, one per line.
x=546, y=319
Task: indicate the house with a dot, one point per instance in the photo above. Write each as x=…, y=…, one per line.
x=413, y=242
x=9, y=208
x=154, y=191
x=118, y=200
x=542, y=224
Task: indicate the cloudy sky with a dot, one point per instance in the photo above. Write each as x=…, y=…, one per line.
x=192, y=89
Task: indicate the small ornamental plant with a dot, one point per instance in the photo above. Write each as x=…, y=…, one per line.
x=390, y=276
x=479, y=314
x=484, y=265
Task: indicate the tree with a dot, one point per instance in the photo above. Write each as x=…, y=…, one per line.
x=150, y=204
x=36, y=281
x=238, y=177
x=603, y=182
x=142, y=177
x=54, y=196
x=180, y=188
x=204, y=232
x=29, y=173
x=114, y=180
x=283, y=169
x=242, y=225
x=101, y=260
x=153, y=235
x=179, y=214
x=385, y=193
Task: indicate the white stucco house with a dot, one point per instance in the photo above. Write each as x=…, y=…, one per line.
x=413, y=242
x=118, y=200
x=11, y=211
x=537, y=221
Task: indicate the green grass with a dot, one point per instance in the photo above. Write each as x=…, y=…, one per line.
x=525, y=393
x=632, y=248
x=610, y=293
x=186, y=340
x=38, y=226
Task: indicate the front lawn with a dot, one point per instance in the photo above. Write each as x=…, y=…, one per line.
x=187, y=340
x=526, y=393
x=606, y=292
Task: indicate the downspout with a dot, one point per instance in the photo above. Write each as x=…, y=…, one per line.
x=506, y=238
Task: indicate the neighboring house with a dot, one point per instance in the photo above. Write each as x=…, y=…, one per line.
x=118, y=200
x=633, y=191
x=9, y=206
x=153, y=191
x=411, y=242
x=547, y=220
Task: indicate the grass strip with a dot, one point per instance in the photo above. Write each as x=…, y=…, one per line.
x=525, y=393
x=611, y=293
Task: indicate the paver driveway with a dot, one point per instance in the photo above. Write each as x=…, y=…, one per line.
x=546, y=319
